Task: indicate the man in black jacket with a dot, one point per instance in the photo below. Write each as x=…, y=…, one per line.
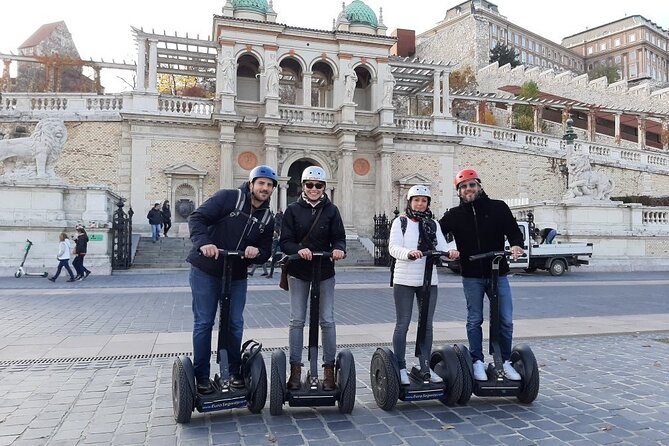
x=220, y=224
x=479, y=225
x=155, y=220
x=312, y=223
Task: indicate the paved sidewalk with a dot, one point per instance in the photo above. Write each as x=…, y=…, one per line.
x=90, y=363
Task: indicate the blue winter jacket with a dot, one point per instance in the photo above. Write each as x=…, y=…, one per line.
x=215, y=222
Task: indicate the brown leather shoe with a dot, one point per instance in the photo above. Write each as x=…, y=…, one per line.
x=295, y=377
x=328, y=379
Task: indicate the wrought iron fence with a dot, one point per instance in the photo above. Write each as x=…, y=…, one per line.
x=122, y=237
x=381, y=234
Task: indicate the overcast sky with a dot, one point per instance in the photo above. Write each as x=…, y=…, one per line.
x=101, y=29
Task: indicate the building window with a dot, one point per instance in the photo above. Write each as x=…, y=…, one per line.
x=494, y=29
x=530, y=59
x=523, y=56
x=589, y=50
x=631, y=38
x=493, y=43
x=602, y=46
x=515, y=38
x=531, y=45
x=617, y=59
x=632, y=55
x=524, y=42
x=632, y=70
x=616, y=42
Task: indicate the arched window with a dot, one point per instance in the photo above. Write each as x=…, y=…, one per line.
x=321, y=85
x=290, y=82
x=363, y=89
x=248, y=84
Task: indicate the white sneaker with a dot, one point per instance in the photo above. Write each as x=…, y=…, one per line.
x=479, y=371
x=510, y=372
x=434, y=378
x=404, y=377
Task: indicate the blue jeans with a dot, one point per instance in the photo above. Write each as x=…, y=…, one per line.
x=550, y=236
x=207, y=291
x=299, y=296
x=155, y=232
x=65, y=263
x=474, y=289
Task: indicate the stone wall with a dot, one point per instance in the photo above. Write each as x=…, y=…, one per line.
x=440, y=46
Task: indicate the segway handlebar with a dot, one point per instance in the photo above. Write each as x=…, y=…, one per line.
x=227, y=253
x=489, y=255
x=434, y=253
x=290, y=257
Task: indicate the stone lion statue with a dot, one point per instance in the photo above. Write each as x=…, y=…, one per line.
x=585, y=182
x=37, y=153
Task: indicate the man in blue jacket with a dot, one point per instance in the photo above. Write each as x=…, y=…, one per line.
x=479, y=225
x=232, y=219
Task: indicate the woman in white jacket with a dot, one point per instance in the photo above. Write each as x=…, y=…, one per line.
x=422, y=234
x=64, y=253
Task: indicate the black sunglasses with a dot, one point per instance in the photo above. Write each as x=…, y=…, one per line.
x=316, y=185
x=471, y=185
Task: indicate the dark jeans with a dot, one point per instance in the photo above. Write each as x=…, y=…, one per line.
x=207, y=291
x=63, y=264
x=78, y=264
x=166, y=226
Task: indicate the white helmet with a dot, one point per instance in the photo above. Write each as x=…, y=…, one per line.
x=419, y=190
x=314, y=173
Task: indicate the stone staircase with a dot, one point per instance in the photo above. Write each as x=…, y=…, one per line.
x=356, y=255
x=167, y=252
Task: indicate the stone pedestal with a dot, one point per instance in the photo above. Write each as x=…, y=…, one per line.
x=41, y=212
x=625, y=237
x=348, y=113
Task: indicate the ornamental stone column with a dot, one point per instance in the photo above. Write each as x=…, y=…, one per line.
x=6, y=80
x=446, y=95
x=141, y=65
x=641, y=131
x=227, y=140
x=384, y=187
x=616, y=121
x=346, y=143
x=538, y=118
x=283, y=194
x=306, y=88
x=436, y=93
x=153, y=66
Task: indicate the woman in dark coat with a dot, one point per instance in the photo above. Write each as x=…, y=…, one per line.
x=167, y=217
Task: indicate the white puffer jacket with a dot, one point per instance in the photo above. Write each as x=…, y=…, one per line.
x=65, y=250
x=410, y=272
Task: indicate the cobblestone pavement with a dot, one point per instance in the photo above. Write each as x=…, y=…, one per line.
x=594, y=390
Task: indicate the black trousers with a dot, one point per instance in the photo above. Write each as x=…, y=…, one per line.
x=78, y=264
x=166, y=226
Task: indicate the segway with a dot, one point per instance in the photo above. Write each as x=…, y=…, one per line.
x=384, y=370
x=22, y=271
x=185, y=398
x=522, y=358
x=311, y=392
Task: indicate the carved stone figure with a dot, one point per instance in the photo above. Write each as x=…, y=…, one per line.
x=388, y=89
x=228, y=68
x=585, y=182
x=349, y=85
x=35, y=155
x=272, y=75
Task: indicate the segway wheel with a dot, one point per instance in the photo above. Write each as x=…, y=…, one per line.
x=525, y=363
x=277, y=394
x=465, y=362
x=346, y=381
x=385, y=385
x=182, y=398
x=446, y=364
x=258, y=395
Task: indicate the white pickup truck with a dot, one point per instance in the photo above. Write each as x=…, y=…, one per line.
x=556, y=258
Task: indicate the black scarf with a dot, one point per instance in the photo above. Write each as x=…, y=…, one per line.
x=427, y=228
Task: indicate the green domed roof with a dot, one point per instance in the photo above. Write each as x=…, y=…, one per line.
x=358, y=12
x=251, y=5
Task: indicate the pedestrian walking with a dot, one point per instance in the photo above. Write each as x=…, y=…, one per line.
x=81, y=246
x=155, y=217
x=64, y=253
x=167, y=217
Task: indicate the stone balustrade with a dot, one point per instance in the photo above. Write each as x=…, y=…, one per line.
x=307, y=115
x=655, y=217
x=185, y=106
x=520, y=141
x=413, y=124
x=59, y=103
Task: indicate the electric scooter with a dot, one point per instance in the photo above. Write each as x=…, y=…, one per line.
x=384, y=370
x=311, y=392
x=185, y=398
x=522, y=357
x=22, y=271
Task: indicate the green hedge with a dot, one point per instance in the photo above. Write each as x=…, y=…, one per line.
x=643, y=199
